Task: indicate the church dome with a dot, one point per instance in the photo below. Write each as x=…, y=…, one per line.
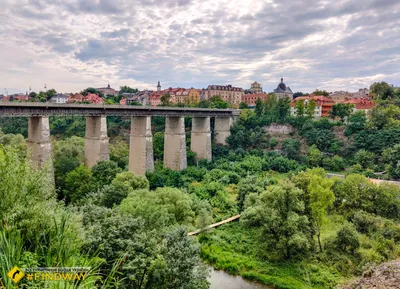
x=282, y=85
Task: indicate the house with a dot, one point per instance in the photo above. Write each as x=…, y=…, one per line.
x=18, y=97
x=177, y=95
x=187, y=96
x=59, y=98
x=256, y=87
x=323, y=104
x=283, y=91
x=155, y=98
x=228, y=93
x=361, y=104
x=107, y=90
x=362, y=93
x=340, y=96
x=77, y=97
x=93, y=98
x=251, y=99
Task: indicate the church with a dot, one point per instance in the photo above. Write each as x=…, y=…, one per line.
x=283, y=91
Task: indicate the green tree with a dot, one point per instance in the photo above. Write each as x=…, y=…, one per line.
x=127, y=89
x=321, y=198
x=165, y=99
x=50, y=93
x=243, y=105
x=357, y=122
x=347, y=239
x=364, y=158
x=68, y=155
x=299, y=107
x=392, y=158
x=320, y=92
x=92, y=90
x=310, y=108
x=104, y=172
x=382, y=90
x=78, y=183
x=123, y=184
x=217, y=102
x=314, y=156
x=119, y=153
x=279, y=212
x=341, y=110
x=250, y=185
x=183, y=266
x=259, y=107
x=291, y=148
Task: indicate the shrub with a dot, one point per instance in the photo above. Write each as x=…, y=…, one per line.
x=347, y=239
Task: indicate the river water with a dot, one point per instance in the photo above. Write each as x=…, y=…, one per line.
x=222, y=280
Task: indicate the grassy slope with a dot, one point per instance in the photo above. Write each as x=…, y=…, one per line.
x=234, y=249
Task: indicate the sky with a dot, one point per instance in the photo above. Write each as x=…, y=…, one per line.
x=324, y=44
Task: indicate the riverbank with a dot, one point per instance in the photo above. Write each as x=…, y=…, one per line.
x=234, y=249
x=221, y=280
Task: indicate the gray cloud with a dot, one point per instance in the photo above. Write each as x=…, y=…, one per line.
x=324, y=44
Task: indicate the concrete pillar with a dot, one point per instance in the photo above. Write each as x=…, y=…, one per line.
x=175, y=143
x=201, y=138
x=141, y=146
x=222, y=129
x=39, y=143
x=96, y=140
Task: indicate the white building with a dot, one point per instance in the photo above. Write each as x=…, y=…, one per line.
x=59, y=98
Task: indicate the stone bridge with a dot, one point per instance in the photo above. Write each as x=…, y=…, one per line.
x=141, y=141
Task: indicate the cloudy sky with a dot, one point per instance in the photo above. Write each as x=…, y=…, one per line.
x=70, y=45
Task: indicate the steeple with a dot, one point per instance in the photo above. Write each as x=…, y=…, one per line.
x=108, y=85
x=158, y=86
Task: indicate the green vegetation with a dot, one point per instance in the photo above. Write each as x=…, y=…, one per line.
x=298, y=229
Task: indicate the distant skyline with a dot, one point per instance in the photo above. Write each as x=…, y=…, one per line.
x=70, y=45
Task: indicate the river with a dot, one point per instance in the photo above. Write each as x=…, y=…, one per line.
x=222, y=280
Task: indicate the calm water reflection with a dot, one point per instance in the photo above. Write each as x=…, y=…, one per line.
x=222, y=280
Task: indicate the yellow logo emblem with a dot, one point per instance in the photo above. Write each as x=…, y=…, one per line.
x=15, y=274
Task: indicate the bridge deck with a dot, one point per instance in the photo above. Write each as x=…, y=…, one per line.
x=18, y=109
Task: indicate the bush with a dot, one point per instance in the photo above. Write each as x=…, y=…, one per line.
x=335, y=163
x=291, y=148
x=347, y=239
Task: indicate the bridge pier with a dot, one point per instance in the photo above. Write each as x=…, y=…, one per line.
x=222, y=129
x=175, y=143
x=201, y=138
x=141, y=146
x=96, y=140
x=39, y=143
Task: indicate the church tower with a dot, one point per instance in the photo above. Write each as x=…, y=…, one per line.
x=158, y=86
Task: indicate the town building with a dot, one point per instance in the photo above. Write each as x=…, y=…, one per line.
x=76, y=97
x=340, y=96
x=93, y=98
x=283, y=91
x=141, y=97
x=187, y=96
x=361, y=93
x=59, y=98
x=17, y=97
x=361, y=104
x=323, y=104
x=177, y=95
x=251, y=99
x=107, y=90
x=228, y=93
x=256, y=88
